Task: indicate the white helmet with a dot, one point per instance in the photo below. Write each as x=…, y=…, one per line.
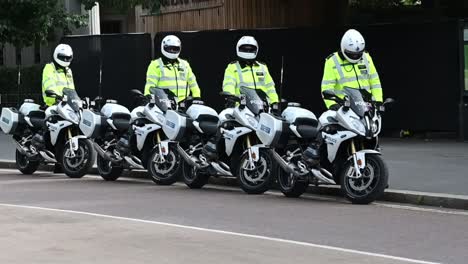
x=352, y=45
x=171, y=47
x=247, y=48
x=63, y=55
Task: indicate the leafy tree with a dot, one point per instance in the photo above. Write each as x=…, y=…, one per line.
x=23, y=22
x=125, y=5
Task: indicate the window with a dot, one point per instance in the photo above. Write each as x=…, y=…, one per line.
x=18, y=55
x=37, y=52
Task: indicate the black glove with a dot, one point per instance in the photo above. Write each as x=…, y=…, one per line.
x=275, y=108
x=334, y=107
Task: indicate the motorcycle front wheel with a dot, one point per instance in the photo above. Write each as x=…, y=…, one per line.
x=164, y=170
x=78, y=165
x=258, y=178
x=370, y=186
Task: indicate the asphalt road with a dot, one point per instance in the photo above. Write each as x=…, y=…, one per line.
x=438, y=166
x=135, y=221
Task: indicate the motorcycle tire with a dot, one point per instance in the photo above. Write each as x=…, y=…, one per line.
x=291, y=188
x=107, y=171
x=370, y=186
x=194, y=178
x=166, y=173
x=79, y=165
x=267, y=168
x=24, y=165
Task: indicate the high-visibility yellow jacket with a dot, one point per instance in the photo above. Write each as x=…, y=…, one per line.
x=177, y=77
x=55, y=79
x=339, y=73
x=253, y=77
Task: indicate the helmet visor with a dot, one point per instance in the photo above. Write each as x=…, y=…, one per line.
x=248, y=48
x=172, y=49
x=354, y=55
x=64, y=57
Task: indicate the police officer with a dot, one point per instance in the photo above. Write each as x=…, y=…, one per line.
x=171, y=72
x=246, y=72
x=351, y=67
x=57, y=75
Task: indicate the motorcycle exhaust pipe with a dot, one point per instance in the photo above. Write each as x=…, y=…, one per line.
x=220, y=169
x=285, y=166
x=327, y=178
x=186, y=157
x=48, y=156
x=20, y=148
x=102, y=152
x=133, y=161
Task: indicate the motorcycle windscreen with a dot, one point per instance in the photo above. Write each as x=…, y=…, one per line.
x=162, y=99
x=72, y=99
x=254, y=100
x=359, y=99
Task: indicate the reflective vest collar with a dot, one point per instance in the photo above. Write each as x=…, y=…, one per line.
x=180, y=64
x=241, y=77
x=57, y=73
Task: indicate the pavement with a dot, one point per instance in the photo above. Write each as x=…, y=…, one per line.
x=49, y=218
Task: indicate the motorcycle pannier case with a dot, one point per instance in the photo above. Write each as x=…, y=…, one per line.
x=271, y=130
x=175, y=125
x=9, y=120
x=92, y=124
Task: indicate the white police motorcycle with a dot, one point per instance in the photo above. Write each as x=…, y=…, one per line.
x=131, y=140
x=63, y=144
x=242, y=153
x=349, y=155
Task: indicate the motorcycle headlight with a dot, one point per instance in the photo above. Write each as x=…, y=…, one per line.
x=374, y=127
x=358, y=126
x=252, y=121
x=74, y=117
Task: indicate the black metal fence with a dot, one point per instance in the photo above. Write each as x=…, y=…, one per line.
x=419, y=66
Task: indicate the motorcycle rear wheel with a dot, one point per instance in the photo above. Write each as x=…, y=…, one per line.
x=291, y=186
x=107, y=170
x=25, y=165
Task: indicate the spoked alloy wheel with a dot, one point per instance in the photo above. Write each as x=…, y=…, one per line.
x=255, y=178
x=78, y=165
x=370, y=186
x=164, y=170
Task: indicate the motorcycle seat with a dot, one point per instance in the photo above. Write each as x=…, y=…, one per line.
x=121, y=121
x=208, y=123
x=307, y=127
x=37, y=118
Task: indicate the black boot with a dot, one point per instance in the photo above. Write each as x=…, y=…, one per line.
x=210, y=151
x=312, y=155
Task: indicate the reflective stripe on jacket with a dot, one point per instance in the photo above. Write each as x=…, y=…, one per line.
x=55, y=80
x=177, y=77
x=339, y=73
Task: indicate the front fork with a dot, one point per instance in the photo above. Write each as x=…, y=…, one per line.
x=73, y=143
x=358, y=160
x=254, y=153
